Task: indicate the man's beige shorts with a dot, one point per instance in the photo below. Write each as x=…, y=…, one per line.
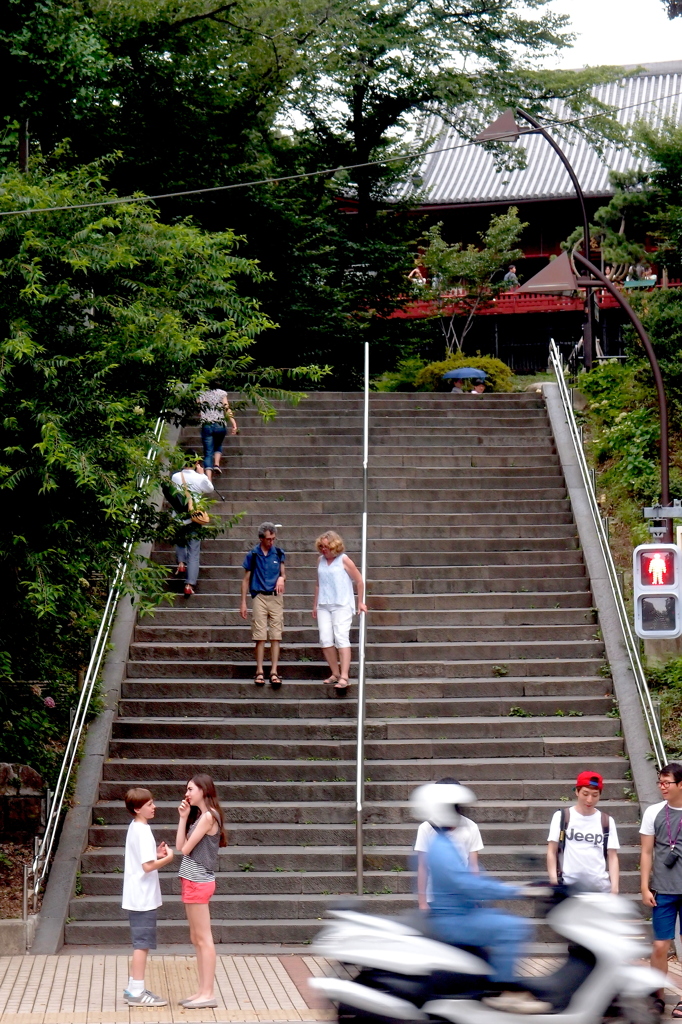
x=268, y=617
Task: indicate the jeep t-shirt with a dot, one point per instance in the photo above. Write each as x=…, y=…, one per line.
x=583, y=858
x=655, y=822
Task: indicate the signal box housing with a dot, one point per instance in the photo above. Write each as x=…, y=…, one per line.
x=657, y=591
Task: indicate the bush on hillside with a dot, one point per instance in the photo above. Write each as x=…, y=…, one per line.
x=403, y=377
x=430, y=378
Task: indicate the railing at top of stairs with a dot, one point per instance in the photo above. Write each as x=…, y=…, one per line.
x=41, y=861
x=601, y=526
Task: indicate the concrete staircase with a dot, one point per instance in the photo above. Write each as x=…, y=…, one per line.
x=484, y=662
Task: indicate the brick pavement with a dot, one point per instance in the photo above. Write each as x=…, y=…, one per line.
x=88, y=989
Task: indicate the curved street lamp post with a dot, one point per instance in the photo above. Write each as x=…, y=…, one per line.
x=558, y=276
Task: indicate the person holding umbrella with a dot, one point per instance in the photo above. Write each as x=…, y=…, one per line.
x=466, y=373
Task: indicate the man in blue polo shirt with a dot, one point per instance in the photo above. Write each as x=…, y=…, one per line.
x=264, y=577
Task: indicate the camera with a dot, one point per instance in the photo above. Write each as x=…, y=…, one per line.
x=671, y=858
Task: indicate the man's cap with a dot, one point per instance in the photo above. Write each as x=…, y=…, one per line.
x=592, y=780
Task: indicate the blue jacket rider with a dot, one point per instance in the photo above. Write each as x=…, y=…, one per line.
x=456, y=917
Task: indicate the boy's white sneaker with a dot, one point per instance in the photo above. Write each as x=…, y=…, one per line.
x=145, y=998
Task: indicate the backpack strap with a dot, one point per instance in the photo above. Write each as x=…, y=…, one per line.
x=563, y=825
x=252, y=557
x=605, y=842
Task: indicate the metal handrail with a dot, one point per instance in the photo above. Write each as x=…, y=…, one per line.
x=360, y=746
x=41, y=860
x=631, y=644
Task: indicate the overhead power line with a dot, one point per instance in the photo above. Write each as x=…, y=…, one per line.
x=118, y=200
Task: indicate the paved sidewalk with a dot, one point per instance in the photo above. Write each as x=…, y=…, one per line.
x=88, y=989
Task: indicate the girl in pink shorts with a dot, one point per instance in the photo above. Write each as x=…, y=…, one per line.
x=200, y=834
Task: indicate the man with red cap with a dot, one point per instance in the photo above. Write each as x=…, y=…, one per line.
x=582, y=845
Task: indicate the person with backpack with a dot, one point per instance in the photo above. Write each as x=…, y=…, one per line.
x=582, y=845
x=189, y=485
x=264, y=578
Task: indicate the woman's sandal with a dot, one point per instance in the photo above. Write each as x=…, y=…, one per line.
x=331, y=679
x=340, y=689
x=677, y=1011
x=259, y=679
x=189, y=590
x=275, y=680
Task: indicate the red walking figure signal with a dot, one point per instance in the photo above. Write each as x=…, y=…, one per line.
x=658, y=595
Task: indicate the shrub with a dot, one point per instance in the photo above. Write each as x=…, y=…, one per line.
x=430, y=378
x=403, y=377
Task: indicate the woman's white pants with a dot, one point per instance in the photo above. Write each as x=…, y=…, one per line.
x=334, y=622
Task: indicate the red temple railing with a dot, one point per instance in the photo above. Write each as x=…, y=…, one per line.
x=509, y=302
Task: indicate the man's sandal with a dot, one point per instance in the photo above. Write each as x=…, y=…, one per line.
x=275, y=680
x=658, y=1004
x=677, y=1011
x=259, y=679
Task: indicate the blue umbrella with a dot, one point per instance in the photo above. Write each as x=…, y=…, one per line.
x=464, y=372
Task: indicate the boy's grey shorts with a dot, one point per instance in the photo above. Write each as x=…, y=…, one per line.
x=142, y=928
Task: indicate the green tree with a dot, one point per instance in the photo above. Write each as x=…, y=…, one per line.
x=465, y=281
x=207, y=93
x=110, y=318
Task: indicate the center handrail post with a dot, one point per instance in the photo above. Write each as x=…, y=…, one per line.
x=360, y=746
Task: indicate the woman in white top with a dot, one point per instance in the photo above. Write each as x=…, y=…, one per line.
x=334, y=606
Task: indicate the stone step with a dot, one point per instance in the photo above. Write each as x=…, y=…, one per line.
x=377, y=812
x=172, y=620
x=510, y=593
x=482, y=464
x=477, y=770
x=277, y=507
x=380, y=564
x=270, y=905
x=333, y=860
x=535, y=489
x=503, y=650
x=445, y=632
x=380, y=548
x=554, y=792
x=535, y=745
x=408, y=538
x=506, y=687
x=292, y=670
x=327, y=730
x=291, y=881
x=324, y=707
x=482, y=514
x=453, y=453
x=318, y=834
x=291, y=932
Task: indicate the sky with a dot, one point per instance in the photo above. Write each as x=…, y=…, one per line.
x=619, y=32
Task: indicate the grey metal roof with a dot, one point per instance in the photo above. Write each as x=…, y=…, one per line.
x=469, y=175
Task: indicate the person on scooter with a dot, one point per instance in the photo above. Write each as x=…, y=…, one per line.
x=455, y=915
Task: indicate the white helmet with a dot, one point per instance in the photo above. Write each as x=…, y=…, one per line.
x=437, y=802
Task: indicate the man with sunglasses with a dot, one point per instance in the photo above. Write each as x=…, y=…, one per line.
x=661, y=868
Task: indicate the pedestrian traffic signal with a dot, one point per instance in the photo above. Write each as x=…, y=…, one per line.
x=657, y=591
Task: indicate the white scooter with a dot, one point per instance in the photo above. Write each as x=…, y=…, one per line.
x=405, y=975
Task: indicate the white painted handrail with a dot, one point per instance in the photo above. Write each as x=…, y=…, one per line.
x=631, y=643
x=360, y=745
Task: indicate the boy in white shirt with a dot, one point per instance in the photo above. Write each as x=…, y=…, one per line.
x=466, y=836
x=141, y=891
x=582, y=845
